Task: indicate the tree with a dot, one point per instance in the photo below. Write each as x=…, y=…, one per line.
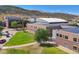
x=24, y=23
x=41, y=35
x=1, y=28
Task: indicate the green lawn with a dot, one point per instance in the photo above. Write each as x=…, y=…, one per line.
x=46, y=50
x=52, y=50
x=16, y=51
x=20, y=38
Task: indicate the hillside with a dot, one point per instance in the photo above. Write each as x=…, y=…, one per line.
x=16, y=10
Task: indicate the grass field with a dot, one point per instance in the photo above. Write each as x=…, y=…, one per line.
x=20, y=38
x=33, y=49
x=52, y=50
x=16, y=51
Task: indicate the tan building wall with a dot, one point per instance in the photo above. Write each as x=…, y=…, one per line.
x=69, y=34
x=69, y=43
x=33, y=27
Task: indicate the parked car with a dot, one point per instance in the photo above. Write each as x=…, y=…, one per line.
x=7, y=35
x=2, y=41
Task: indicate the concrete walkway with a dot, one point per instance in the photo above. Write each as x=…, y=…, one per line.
x=67, y=50
x=17, y=46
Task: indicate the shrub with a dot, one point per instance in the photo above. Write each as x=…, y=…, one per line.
x=41, y=35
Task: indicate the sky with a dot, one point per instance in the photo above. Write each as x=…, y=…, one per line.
x=70, y=9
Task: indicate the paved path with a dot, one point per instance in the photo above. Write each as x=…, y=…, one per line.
x=67, y=50
x=17, y=46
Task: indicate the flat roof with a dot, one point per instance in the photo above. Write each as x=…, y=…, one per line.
x=73, y=30
x=53, y=19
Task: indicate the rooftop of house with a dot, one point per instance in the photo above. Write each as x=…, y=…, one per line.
x=73, y=30
x=53, y=19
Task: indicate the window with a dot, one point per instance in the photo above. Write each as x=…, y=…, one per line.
x=74, y=48
x=57, y=34
x=60, y=35
x=75, y=39
x=66, y=37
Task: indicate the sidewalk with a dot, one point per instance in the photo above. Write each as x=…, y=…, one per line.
x=17, y=46
x=67, y=50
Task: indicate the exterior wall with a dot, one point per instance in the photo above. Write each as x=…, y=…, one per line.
x=69, y=43
x=54, y=34
x=6, y=21
x=33, y=27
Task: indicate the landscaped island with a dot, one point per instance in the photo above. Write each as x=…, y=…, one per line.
x=21, y=38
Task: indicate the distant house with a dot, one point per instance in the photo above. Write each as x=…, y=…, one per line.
x=46, y=23
x=68, y=38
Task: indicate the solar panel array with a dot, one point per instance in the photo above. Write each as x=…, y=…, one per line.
x=73, y=30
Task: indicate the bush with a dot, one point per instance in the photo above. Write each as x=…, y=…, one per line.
x=14, y=24
x=0, y=34
x=47, y=45
x=41, y=35
x=1, y=28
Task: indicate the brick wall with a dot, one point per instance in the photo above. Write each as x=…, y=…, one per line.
x=34, y=27
x=69, y=43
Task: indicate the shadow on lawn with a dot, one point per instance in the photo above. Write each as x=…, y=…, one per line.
x=48, y=45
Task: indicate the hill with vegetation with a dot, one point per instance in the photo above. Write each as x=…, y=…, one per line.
x=34, y=13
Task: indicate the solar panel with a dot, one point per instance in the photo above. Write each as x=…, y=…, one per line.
x=73, y=30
